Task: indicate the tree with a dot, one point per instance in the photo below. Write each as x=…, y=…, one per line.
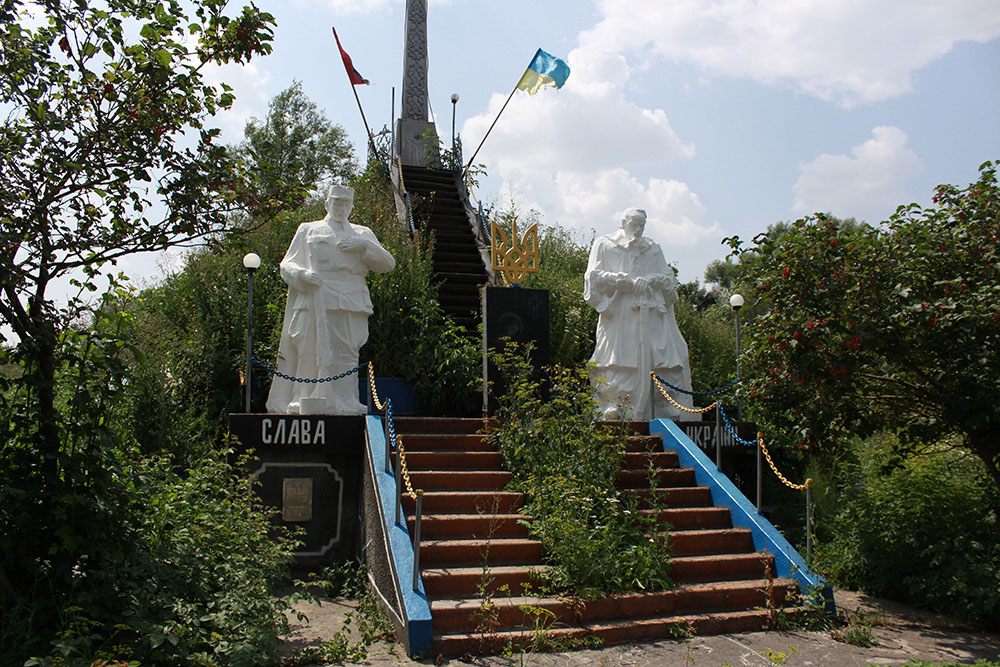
x=93, y=162
x=894, y=327
x=295, y=144
x=103, y=153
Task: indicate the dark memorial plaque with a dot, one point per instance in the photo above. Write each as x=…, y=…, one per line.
x=520, y=315
x=310, y=472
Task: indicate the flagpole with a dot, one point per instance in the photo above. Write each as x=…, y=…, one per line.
x=491, y=128
x=371, y=140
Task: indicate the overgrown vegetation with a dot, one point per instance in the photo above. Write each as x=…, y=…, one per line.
x=596, y=539
x=896, y=520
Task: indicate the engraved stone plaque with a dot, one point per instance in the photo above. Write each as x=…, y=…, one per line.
x=296, y=499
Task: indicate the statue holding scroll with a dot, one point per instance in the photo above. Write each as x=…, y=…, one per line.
x=326, y=315
x=633, y=290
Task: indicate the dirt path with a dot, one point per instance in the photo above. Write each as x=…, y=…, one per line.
x=900, y=633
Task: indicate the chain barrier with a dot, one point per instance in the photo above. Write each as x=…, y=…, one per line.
x=732, y=429
x=784, y=480
x=694, y=411
x=292, y=378
x=393, y=437
x=729, y=426
x=694, y=393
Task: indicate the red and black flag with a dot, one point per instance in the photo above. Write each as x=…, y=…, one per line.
x=352, y=74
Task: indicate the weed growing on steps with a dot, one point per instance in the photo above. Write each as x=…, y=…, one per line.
x=595, y=538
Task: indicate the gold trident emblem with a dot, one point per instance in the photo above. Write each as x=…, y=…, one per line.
x=514, y=257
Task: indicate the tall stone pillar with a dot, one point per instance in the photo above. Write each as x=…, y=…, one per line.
x=416, y=137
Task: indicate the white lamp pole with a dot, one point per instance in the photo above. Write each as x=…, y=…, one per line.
x=251, y=262
x=454, y=104
x=736, y=301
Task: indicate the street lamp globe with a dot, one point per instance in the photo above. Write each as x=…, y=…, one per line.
x=251, y=261
x=736, y=301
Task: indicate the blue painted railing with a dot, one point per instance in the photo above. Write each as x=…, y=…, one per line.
x=787, y=560
x=414, y=615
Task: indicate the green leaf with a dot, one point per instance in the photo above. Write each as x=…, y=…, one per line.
x=163, y=57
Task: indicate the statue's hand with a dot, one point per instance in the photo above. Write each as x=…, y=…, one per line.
x=640, y=283
x=312, y=278
x=352, y=244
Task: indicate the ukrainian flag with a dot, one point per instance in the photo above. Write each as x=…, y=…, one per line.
x=544, y=69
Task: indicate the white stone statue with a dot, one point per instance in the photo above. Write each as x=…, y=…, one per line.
x=326, y=315
x=630, y=285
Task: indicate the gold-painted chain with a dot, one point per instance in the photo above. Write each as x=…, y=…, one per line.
x=401, y=453
x=784, y=480
x=371, y=380
x=666, y=395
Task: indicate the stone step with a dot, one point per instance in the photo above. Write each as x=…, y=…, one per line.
x=450, y=460
x=642, y=460
x=443, y=584
x=459, y=615
x=439, y=425
x=690, y=518
x=470, y=552
x=644, y=443
x=720, y=567
x=467, y=502
x=608, y=633
x=691, y=496
x=664, y=478
x=459, y=480
x=711, y=541
x=445, y=442
x=475, y=526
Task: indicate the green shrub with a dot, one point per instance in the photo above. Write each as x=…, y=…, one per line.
x=595, y=538
x=920, y=528
x=188, y=578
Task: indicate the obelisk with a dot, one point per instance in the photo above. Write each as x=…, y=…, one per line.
x=416, y=137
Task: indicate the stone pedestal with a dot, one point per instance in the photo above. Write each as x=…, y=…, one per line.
x=310, y=472
x=522, y=316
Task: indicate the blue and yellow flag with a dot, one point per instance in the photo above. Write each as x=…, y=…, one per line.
x=544, y=69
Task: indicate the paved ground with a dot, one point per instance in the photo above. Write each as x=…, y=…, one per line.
x=901, y=633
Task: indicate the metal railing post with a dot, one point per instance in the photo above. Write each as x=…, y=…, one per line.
x=416, y=537
x=760, y=477
x=399, y=487
x=718, y=437
x=652, y=397
x=388, y=444
x=809, y=541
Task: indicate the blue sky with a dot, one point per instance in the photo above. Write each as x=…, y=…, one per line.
x=717, y=116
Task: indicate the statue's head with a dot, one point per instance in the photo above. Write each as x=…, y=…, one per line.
x=634, y=222
x=339, y=201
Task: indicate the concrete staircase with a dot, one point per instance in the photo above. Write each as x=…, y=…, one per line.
x=474, y=542
x=458, y=264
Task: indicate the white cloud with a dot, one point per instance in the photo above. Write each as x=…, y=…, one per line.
x=573, y=154
x=847, y=52
x=867, y=184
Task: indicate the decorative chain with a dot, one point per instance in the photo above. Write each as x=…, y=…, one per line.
x=379, y=405
x=675, y=403
x=784, y=480
x=732, y=429
x=401, y=455
x=292, y=378
x=694, y=393
x=393, y=436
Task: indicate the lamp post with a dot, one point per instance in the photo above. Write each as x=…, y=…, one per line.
x=454, y=104
x=736, y=301
x=251, y=262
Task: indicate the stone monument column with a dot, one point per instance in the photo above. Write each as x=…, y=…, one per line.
x=415, y=135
